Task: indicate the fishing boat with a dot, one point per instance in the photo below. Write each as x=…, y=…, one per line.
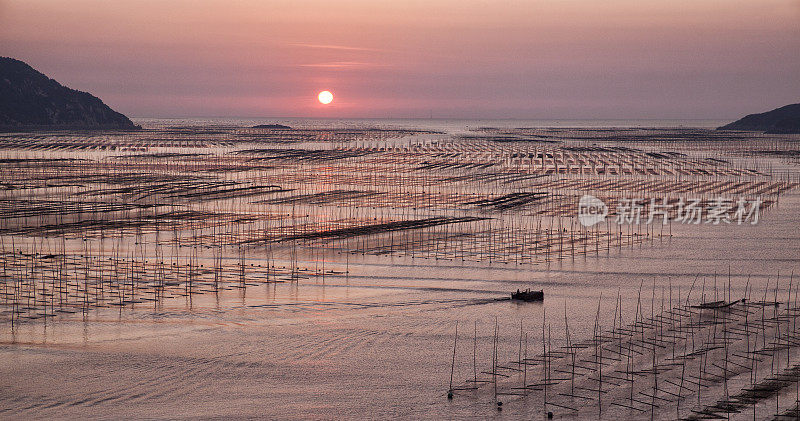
x=528, y=295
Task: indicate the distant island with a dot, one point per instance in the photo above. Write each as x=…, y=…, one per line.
x=783, y=120
x=272, y=126
x=29, y=100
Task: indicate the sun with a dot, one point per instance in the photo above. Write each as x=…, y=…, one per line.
x=325, y=97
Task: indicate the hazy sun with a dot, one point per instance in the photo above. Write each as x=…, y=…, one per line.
x=325, y=97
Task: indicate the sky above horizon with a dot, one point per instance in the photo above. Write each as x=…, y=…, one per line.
x=532, y=59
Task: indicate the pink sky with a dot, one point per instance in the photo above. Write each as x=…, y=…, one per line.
x=459, y=59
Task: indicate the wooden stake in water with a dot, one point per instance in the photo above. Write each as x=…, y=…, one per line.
x=453, y=365
x=544, y=355
x=475, y=357
x=525, y=368
x=571, y=350
x=494, y=363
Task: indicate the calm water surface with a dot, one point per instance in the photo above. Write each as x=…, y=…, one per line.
x=375, y=342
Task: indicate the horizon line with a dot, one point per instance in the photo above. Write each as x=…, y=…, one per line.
x=434, y=118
